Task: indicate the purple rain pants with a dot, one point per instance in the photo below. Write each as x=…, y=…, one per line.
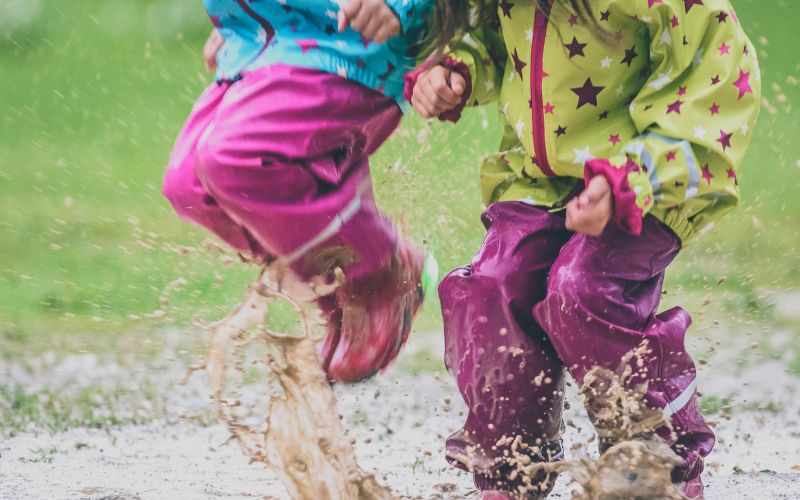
x=275, y=164
x=538, y=299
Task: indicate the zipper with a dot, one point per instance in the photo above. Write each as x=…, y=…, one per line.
x=261, y=21
x=540, y=22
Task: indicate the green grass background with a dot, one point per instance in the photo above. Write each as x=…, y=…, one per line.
x=93, y=93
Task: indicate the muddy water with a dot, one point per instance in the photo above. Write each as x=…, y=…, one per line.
x=295, y=430
x=635, y=462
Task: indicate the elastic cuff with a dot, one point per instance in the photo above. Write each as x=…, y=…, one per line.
x=627, y=214
x=453, y=115
x=411, y=77
x=407, y=14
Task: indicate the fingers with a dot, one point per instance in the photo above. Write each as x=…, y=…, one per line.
x=458, y=83
x=590, y=219
x=210, y=49
x=388, y=29
x=597, y=189
x=372, y=18
x=433, y=94
x=372, y=24
x=348, y=13
x=422, y=102
x=440, y=86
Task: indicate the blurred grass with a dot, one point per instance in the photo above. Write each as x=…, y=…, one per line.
x=94, y=93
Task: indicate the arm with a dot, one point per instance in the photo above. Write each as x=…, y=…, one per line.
x=211, y=48
x=694, y=115
x=479, y=59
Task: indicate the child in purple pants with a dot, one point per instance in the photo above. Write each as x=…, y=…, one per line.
x=274, y=158
x=634, y=115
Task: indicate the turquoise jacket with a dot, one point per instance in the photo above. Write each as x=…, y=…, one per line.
x=303, y=33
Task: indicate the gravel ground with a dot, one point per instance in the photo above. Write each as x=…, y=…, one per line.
x=166, y=445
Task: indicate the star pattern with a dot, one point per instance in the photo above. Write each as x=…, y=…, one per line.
x=732, y=175
x=582, y=155
x=575, y=48
x=505, y=6
x=587, y=94
x=724, y=139
x=519, y=64
x=306, y=45
x=688, y=4
x=706, y=173
x=677, y=74
x=743, y=84
x=630, y=55
x=675, y=107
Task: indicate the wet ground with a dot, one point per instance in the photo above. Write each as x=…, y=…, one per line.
x=155, y=439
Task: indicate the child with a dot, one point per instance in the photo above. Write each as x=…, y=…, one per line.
x=273, y=158
x=634, y=115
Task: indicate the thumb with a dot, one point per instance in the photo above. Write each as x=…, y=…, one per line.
x=341, y=17
x=598, y=187
x=457, y=83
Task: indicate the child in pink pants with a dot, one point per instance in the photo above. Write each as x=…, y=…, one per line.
x=274, y=160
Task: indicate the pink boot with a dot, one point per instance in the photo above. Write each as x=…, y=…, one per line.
x=505, y=495
x=376, y=318
x=693, y=489
x=495, y=495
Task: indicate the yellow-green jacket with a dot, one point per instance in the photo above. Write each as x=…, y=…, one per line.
x=663, y=106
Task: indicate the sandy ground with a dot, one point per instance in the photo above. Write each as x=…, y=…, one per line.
x=399, y=422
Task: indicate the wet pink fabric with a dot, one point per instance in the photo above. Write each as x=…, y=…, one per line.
x=274, y=160
x=538, y=300
x=276, y=164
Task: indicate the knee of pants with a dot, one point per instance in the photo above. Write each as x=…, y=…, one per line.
x=571, y=285
x=185, y=192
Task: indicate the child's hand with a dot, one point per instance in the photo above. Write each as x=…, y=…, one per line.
x=372, y=18
x=211, y=48
x=438, y=89
x=590, y=211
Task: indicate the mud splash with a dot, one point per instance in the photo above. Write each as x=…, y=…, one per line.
x=634, y=461
x=300, y=437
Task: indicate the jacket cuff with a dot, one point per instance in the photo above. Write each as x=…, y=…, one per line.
x=408, y=13
x=452, y=115
x=627, y=214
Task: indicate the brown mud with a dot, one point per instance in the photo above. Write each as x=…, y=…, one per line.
x=634, y=463
x=300, y=438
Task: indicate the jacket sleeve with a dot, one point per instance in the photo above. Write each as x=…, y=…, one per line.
x=694, y=114
x=480, y=57
x=413, y=14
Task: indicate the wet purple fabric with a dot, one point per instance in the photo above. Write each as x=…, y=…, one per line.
x=276, y=165
x=538, y=299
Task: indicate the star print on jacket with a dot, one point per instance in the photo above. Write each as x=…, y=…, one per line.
x=662, y=104
x=303, y=33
